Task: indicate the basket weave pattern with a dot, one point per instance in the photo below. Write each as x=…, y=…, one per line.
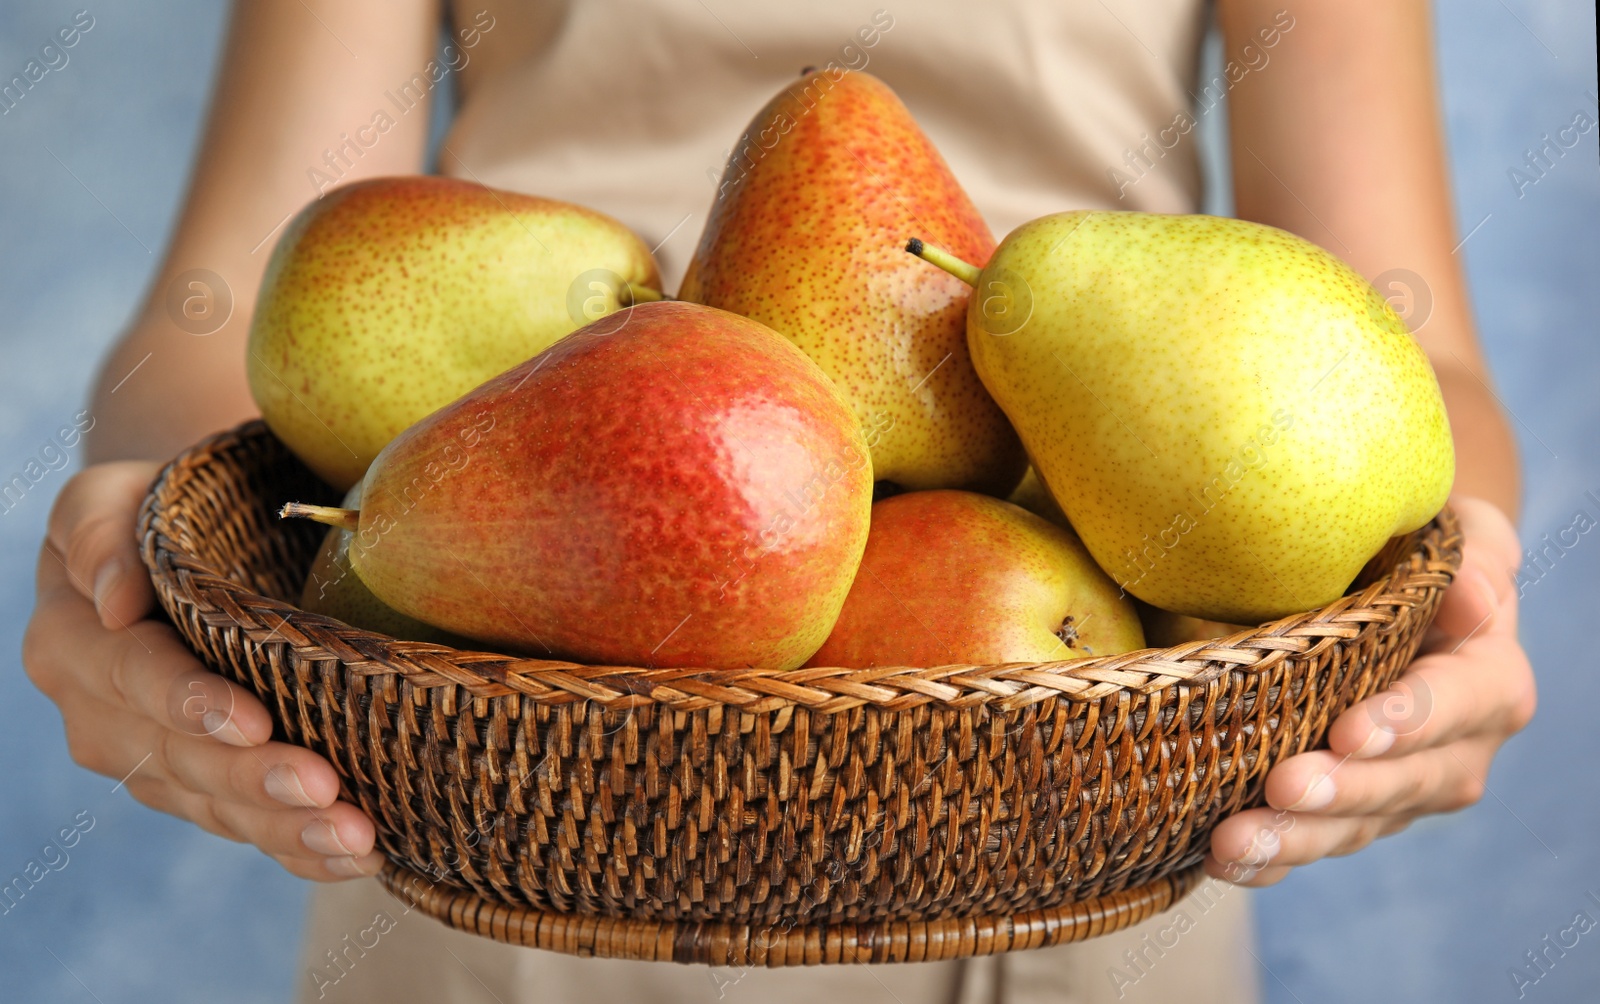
x=756, y=797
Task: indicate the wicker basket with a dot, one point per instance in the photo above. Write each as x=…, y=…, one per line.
x=755, y=817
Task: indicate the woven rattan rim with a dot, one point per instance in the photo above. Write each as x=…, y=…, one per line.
x=1427, y=561
x=774, y=945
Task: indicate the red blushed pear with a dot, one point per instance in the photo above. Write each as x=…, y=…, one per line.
x=673, y=485
x=332, y=589
x=954, y=577
x=805, y=237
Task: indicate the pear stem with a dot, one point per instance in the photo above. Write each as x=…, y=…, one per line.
x=950, y=263
x=643, y=294
x=344, y=519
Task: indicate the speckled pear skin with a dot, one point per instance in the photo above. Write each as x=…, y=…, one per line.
x=387, y=299
x=333, y=589
x=1233, y=420
x=671, y=486
x=955, y=577
x=815, y=206
x=1162, y=628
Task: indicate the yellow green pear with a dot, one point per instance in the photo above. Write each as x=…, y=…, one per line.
x=1162, y=628
x=1232, y=419
x=387, y=299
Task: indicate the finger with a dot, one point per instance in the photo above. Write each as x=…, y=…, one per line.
x=91, y=529
x=331, y=869
x=1483, y=597
x=337, y=831
x=1468, y=609
x=307, y=842
x=1435, y=780
x=270, y=776
x=1484, y=688
x=144, y=666
x=108, y=739
x=113, y=741
x=1254, y=878
x=1248, y=847
x=1487, y=529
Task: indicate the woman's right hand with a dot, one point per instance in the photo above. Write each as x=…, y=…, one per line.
x=138, y=706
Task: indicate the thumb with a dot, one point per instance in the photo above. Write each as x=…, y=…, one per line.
x=91, y=531
x=1485, y=588
x=1491, y=533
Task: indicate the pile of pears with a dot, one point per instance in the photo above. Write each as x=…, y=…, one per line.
x=862, y=434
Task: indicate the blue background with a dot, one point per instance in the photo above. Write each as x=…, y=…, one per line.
x=151, y=909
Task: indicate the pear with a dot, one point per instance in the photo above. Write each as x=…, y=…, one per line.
x=673, y=485
x=1232, y=419
x=387, y=299
x=1164, y=629
x=805, y=237
x=955, y=577
x=1032, y=495
x=334, y=590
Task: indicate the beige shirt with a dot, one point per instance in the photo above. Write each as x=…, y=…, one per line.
x=631, y=107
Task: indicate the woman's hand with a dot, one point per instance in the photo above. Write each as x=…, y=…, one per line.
x=139, y=707
x=1423, y=746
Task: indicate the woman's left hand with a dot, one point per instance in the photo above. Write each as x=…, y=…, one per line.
x=1422, y=746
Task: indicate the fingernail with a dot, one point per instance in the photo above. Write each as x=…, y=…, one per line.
x=1260, y=851
x=351, y=867
x=284, y=785
x=105, y=580
x=322, y=838
x=1378, y=742
x=219, y=725
x=1319, y=792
